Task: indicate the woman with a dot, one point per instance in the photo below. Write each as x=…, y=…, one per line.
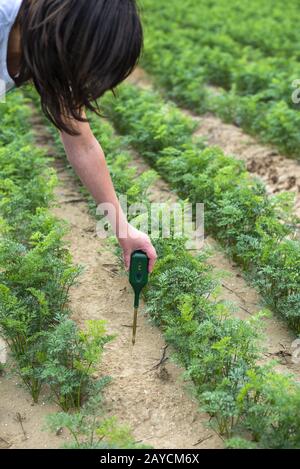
x=74, y=51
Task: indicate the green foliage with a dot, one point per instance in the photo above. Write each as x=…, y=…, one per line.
x=256, y=229
x=150, y=127
x=271, y=402
x=116, y=435
x=45, y=267
x=26, y=186
x=240, y=443
x=177, y=278
x=253, y=58
x=91, y=430
x=70, y=358
x=14, y=120
x=34, y=283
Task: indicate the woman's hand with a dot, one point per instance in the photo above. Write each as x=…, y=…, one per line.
x=137, y=241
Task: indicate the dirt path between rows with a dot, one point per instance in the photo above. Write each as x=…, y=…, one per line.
x=277, y=171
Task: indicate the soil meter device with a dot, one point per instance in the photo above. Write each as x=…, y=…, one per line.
x=138, y=279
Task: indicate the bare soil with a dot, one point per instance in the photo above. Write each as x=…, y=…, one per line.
x=22, y=423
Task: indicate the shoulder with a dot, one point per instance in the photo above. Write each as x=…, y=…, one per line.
x=8, y=11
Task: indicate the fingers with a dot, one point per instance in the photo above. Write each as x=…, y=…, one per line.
x=127, y=259
x=141, y=242
x=151, y=253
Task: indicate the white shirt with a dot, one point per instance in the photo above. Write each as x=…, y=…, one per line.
x=8, y=13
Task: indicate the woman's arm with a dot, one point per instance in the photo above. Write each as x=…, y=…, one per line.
x=87, y=158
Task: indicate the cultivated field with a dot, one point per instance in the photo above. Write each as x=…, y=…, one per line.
x=210, y=116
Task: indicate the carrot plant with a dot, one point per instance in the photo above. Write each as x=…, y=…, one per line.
x=91, y=429
x=14, y=117
x=70, y=356
x=270, y=402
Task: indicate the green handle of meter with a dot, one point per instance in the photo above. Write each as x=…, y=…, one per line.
x=138, y=276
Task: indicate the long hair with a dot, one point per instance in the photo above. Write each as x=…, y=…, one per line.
x=76, y=50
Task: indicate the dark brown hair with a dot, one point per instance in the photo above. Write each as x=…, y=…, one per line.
x=76, y=50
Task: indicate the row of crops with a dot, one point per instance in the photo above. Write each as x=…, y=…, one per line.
x=250, y=52
x=220, y=352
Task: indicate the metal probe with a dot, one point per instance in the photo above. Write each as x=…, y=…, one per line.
x=135, y=314
x=138, y=278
